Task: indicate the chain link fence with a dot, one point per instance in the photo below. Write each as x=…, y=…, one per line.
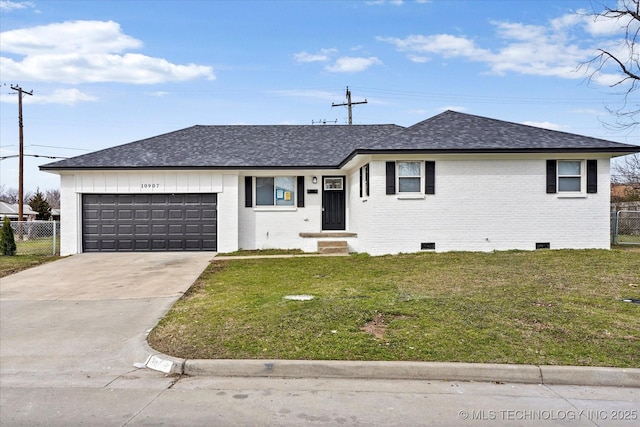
x=36, y=237
x=625, y=227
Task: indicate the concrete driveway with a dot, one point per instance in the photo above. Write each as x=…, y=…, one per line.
x=82, y=320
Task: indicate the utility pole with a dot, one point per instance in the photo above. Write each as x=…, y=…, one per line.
x=349, y=104
x=21, y=92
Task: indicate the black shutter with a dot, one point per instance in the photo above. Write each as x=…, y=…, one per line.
x=551, y=176
x=248, y=191
x=430, y=177
x=301, y=191
x=360, y=182
x=391, y=177
x=592, y=176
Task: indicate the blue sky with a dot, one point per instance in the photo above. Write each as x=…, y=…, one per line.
x=104, y=73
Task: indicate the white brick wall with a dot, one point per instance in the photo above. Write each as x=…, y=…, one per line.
x=482, y=205
x=267, y=228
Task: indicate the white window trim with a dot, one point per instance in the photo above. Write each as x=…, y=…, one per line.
x=366, y=185
x=410, y=194
x=263, y=208
x=583, y=180
x=274, y=207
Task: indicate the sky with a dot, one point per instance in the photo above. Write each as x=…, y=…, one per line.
x=105, y=73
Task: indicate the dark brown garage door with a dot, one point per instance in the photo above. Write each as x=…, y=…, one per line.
x=149, y=222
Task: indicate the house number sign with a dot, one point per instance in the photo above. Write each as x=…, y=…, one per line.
x=148, y=186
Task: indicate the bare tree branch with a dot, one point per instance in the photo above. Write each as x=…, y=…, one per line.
x=627, y=61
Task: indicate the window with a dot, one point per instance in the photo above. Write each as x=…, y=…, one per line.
x=409, y=177
x=275, y=191
x=570, y=175
x=364, y=181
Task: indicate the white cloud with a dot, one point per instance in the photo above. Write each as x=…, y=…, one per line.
x=545, y=125
x=418, y=58
x=383, y=2
x=322, y=55
x=348, y=64
x=441, y=44
x=589, y=111
x=556, y=49
x=58, y=96
x=158, y=94
x=8, y=5
x=86, y=52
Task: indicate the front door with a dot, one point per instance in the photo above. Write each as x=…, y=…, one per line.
x=333, y=203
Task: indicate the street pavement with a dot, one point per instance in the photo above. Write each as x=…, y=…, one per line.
x=71, y=332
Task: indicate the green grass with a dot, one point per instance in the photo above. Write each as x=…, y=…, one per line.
x=542, y=307
x=263, y=252
x=628, y=238
x=13, y=264
x=37, y=246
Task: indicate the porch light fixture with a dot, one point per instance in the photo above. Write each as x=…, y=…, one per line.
x=314, y=180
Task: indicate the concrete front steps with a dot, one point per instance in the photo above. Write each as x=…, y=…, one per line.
x=333, y=247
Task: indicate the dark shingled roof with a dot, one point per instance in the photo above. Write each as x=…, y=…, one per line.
x=306, y=146
x=454, y=132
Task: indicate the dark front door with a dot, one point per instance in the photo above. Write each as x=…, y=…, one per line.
x=333, y=203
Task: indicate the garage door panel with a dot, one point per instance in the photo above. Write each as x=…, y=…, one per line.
x=192, y=229
x=158, y=245
x=208, y=213
x=107, y=214
x=142, y=244
x=160, y=199
x=159, y=229
x=209, y=230
x=105, y=199
x=158, y=214
x=155, y=222
x=176, y=214
x=142, y=230
x=141, y=214
x=192, y=214
x=192, y=244
x=125, y=214
x=107, y=229
x=107, y=244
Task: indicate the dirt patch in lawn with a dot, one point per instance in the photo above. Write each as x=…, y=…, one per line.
x=379, y=324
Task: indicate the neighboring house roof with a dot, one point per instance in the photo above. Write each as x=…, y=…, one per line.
x=327, y=146
x=7, y=209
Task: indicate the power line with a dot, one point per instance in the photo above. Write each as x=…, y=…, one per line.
x=348, y=104
x=31, y=155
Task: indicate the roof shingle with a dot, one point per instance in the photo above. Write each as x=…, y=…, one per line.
x=307, y=146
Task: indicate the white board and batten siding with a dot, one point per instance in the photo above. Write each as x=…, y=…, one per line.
x=74, y=184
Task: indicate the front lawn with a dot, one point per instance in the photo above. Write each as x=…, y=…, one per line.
x=543, y=307
x=13, y=264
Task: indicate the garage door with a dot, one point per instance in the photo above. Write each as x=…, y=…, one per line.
x=149, y=222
